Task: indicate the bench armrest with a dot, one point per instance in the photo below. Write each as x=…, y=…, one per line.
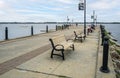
x=60, y=46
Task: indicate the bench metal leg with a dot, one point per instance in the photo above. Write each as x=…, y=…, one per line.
x=63, y=54
x=52, y=53
x=62, y=51
x=75, y=39
x=73, y=47
x=84, y=37
x=81, y=40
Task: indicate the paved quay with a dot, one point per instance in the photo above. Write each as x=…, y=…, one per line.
x=99, y=74
x=30, y=57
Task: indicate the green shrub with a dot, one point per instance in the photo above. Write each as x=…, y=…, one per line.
x=117, y=75
x=112, y=43
x=118, y=51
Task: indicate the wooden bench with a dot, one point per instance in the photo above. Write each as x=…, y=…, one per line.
x=59, y=43
x=79, y=36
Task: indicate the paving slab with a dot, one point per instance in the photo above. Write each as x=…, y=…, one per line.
x=100, y=74
x=80, y=63
x=22, y=74
x=14, y=48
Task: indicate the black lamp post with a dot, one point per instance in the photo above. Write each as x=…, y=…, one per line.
x=96, y=20
x=93, y=17
x=67, y=20
x=82, y=6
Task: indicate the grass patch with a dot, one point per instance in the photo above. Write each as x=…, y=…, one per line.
x=107, y=34
x=117, y=75
x=118, y=51
x=112, y=43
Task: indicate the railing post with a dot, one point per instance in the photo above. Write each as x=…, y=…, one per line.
x=62, y=27
x=46, y=28
x=56, y=27
x=68, y=26
x=31, y=30
x=103, y=35
x=88, y=31
x=6, y=33
x=104, y=68
x=101, y=27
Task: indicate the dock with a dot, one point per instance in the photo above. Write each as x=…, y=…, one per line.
x=30, y=57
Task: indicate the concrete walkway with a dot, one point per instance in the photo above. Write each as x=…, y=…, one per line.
x=100, y=74
x=30, y=57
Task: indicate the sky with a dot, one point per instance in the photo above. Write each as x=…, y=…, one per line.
x=57, y=10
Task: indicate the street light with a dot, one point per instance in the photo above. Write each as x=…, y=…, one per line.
x=72, y=22
x=96, y=20
x=67, y=22
x=67, y=19
x=82, y=6
x=93, y=17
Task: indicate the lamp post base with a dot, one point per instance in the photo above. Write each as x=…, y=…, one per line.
x=104, y=70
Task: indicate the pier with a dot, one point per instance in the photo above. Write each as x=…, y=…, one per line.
x=29, y=57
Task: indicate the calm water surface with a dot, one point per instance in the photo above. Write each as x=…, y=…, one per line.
x=22, y=30
x=114, y=29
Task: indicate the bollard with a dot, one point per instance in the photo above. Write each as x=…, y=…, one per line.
x=56, y=27
x=46, y=28
x=31, y=30
x=62, y=27
x=103, y=35
x=104, y=68
x=68, y=26
x=88, y=30
x=6, y=33
x=100, y=26
x=102, y=30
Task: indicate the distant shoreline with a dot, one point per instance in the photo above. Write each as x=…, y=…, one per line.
x=57, y=22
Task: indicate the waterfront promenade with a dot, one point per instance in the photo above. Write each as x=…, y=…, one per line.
x=30, y=57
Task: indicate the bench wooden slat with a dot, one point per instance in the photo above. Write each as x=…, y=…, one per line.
x=79, y=36
x=57, y=42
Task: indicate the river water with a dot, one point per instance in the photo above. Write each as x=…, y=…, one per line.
x=114, y=29
x=22, y=30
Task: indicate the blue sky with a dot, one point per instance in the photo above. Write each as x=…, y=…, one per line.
x=57, y=10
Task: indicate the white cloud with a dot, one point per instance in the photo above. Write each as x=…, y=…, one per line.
x=55, y=10
x=65, y=1
x=33, y=0
x=104, y=4
x=2, y=4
